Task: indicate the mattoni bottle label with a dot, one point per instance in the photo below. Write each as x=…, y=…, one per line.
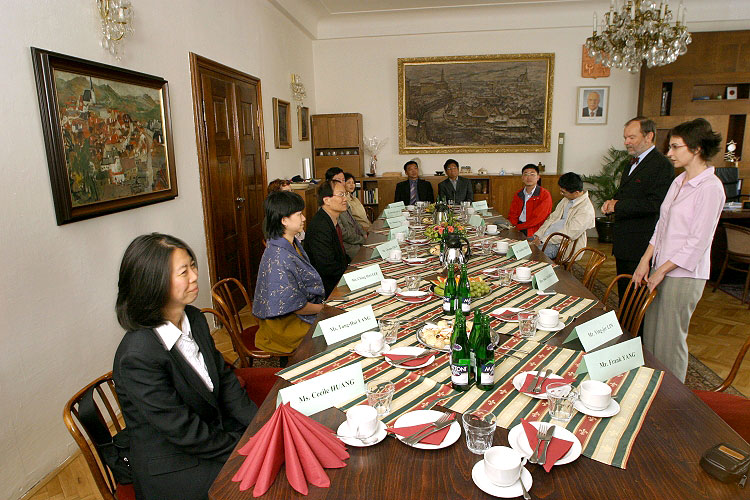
x=460, y=373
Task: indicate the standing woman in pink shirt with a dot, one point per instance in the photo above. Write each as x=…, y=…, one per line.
x=678, y=253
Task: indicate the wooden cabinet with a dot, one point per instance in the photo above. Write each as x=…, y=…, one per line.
x=309, y=194
x=337, y=142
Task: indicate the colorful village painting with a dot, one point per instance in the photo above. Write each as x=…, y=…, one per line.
x=113, y=138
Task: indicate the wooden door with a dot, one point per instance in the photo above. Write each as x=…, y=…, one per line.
x=228, y=122
x=320, y=132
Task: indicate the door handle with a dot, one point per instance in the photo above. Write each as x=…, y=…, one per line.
x=240, y=200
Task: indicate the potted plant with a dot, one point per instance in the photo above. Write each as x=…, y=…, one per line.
x=605, y=185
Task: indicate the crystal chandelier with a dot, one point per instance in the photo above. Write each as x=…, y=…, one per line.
x=298, y=89
x=117, y=23
x=639, y=30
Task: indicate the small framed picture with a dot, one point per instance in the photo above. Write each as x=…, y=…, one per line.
x=593, y=103
x=282, y=124
x=303, y=123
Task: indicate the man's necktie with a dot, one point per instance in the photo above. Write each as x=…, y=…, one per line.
x=412, y=193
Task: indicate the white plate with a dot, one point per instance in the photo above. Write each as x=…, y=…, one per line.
x=417, y=417
x=387, y=294
x=518, y=280
x=520, y=378
x=343, y=430
x=501, y=310
x=368, y=354
x=559, y=326
x=427, y=297
x=610, y=411
x=492, y=271
x=392, y=261
x=417, y=260
x=409, y=351
x=519, y=442
x=418, y=241
x=480, y=478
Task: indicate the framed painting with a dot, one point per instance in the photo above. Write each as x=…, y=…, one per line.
x=593, y=103
x=303, y=123
x=282, y=124
x=107, y=134
x=475, y=104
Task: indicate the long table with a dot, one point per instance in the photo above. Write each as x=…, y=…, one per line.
x=663, y=462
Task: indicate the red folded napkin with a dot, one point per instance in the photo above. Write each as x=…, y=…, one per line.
x=413, y=362
x=306, y=446
x=506, y=316
x=435, y=438
x=557, y=448
x=530, y=377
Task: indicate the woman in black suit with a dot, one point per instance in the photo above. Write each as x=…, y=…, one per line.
x=184, y=409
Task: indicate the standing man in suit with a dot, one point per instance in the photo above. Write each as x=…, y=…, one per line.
x=593, y=108
x=414, y=189
x=643, y=187
x=324, y=239
x=454, y=187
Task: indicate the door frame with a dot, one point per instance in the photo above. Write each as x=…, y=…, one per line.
x=197, y=64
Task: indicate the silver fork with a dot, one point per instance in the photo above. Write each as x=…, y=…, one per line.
x=436, y=425
x=539, y=386
x=547, y=439
x=540, y=433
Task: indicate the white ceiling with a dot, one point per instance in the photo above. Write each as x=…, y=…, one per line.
x=363, y=6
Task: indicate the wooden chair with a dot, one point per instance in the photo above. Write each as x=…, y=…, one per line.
x=562, y=253
x=106, y=404
x=633, y=304
x=738, y=249
x=592, y=266
x=734, y=410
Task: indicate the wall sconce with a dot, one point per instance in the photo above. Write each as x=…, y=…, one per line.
x=117, y=23
x=298, y=89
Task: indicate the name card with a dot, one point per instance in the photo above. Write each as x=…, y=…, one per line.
x=480, y=205
x=393, y=232
x=346, y=325
x=597, y=331
x=325, y=391
x=612, y=361
x=396, y=204
x=395, y=221
x=476, y=220
x=519, y=250
x=392, y=212
x=364, y=277
x=544, y=278
x=384, y=249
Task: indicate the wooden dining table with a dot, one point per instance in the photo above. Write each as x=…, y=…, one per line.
x=664, y=461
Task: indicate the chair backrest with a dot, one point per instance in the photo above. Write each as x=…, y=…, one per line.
x=633, y=305
x=108, y=408
x=244, y=354
x=231, y=297
x=735, y=367
x=729, y=176
x=563, y=252
x=591, y=265
x=738, y=239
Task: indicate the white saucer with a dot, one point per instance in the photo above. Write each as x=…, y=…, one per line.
x=387, y=294
x=610, y=411
x=392, y=261
x=492, y=234
x=517, y=280
x=480, y=478
x=520, y=378
x=416, y=260
x=418, y=241
x=352, y=441
x=368, y=354
x=409, y=351
x=417, y=417
x=495, y=251
x=559, y=326
x=518, y=441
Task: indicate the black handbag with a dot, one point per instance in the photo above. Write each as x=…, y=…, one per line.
x=113, y=450
x=726, y=463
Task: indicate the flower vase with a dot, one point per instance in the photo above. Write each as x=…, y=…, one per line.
x=373, y=165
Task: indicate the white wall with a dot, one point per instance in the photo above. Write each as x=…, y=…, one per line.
x=59, y=282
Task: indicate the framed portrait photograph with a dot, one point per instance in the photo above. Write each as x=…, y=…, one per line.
x=107, y=134
x=593, y=103
x=498, y=103
x=282, y=124
x=303, y=123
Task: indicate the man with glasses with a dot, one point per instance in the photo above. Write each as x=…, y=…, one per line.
x=532, y=204
x=635, y=206
x=354, y=235
x=455, y=188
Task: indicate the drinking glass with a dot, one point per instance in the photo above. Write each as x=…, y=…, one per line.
x=465, y=204
x=389, y=328
x=506, y=276
x=412, y=251
x=412, y=234
x=486, y=246
x=479, y=426
x=527, y=324
x=561, y=397
x=412, y=281
x=481, y=230
x=380, y=394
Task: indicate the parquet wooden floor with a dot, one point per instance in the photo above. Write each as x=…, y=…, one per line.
x=718, y=329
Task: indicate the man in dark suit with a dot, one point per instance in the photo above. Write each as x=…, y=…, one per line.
x=643, y=187
x=324, y=240
x=454, y=187
x=414, y=189
x=593, y=108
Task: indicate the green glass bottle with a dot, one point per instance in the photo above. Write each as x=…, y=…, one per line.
x=449, y=293
x=484, y=351
x=464, y=291
x=476, y=328
x=460, y=355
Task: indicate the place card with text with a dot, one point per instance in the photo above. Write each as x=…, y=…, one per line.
x=396, y=204
x=597, y=331
x=346, y=325
x=325, y=391
x=519, y=250
x=395, y=221
x=480, y=205
x=476, y=220
x=392, y=212
x=544, y=278
x=612, y=361
x=362, y=278
x=384, y=249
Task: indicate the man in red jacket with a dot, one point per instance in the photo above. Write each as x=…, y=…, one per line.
x=531, y=205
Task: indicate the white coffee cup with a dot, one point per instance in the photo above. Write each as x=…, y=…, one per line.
x=501, y=246
x=503, y=465
x=400, y=237
x=372, y=341
x=362, y=420
x=595, y=395
x=395, y=254
x=491, y=228
x=470, y=211
x=405, y=213
x=548, y=317
x=523, y=273
x=388, y=285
